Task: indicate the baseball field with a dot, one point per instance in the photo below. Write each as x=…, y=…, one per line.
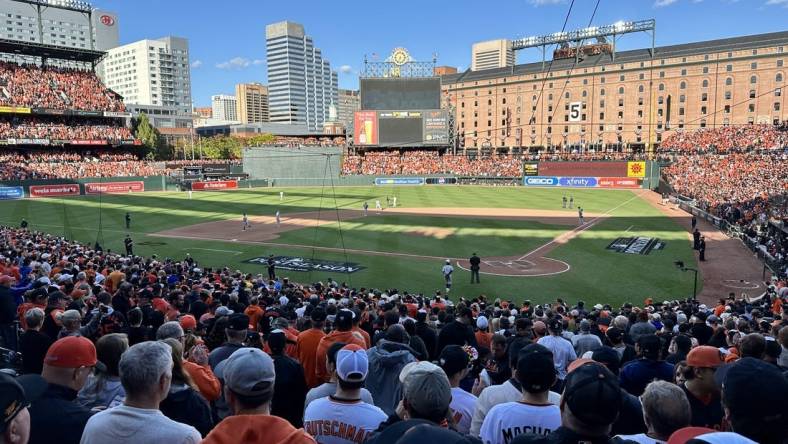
x=531, y=247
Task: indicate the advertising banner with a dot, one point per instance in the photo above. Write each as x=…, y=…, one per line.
x=11, y=193
x=216, y=168
x=636, y=169
x=436, y=127
x=577, y=182
x=295, y=263
x=28, y=141
x=57, y=190
x=541, y=181
x=531, y=169
x=15, y=110
x=87, y=113
x=51, y=111
x=115, y=187
x=88, y=142
x=215, y=185
x=366, y=128
x=399, y=181
x=116, y=114
x=618, y=182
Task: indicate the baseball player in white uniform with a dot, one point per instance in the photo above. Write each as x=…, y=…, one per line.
x=281, y=196
x=190, y=194
x=377, y=205
x=277, y=218
x=246, y=223
x=447, y=270
x=394, y=202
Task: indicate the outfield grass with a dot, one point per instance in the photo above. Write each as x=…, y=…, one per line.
x=595, y=274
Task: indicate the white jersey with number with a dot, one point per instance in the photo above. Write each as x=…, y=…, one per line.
x=506, y=421
x=462, y=406
x=332, y=421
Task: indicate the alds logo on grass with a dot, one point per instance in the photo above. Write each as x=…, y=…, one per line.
x=296, y=263
x=636, y=245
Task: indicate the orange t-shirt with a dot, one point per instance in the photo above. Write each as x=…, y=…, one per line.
x=207, y=383
x=348, y=337
x=306, y=351
x=256, y=429
x=255, y=313
x=363, y=333
x=484, y=339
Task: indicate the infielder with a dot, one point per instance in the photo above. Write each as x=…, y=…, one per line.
x=277, y=218
x=563, y=202
x=447, y=270
x=377, y=205
x=571, y=201
x=190, y=194
x=580, y=215
x=394, y=202
x=366, y=208
x=246, y=223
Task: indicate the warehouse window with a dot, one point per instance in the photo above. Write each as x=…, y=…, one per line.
x=640, y=88
x=705, y=83
x=683, y=85
x=729, y=81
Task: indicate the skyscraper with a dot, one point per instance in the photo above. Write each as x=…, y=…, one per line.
x=151, y=72
x=349, y=103
x=224, y=107
x=301, y=84
x=492, y=54
x=251, y=102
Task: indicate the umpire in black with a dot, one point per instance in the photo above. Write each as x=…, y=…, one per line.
x=475, y=261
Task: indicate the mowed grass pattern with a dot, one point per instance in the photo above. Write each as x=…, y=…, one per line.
x=595, y=274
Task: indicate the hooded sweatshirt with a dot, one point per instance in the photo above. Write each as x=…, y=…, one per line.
x=252, y=429
x=386, y=361
x=348, y=337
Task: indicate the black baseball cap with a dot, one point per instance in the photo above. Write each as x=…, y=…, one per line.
x=318, y=314
x=453, y=359
x=238, y=321
x=535, y=368
x=344, y=319
x=614, y=333
x=17, y=393
x=555, y=324
x=607, y=356
x=754, y=389
x=592, y=394
x=649, y=344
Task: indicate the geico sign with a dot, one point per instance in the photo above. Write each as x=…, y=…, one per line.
x=541, y=180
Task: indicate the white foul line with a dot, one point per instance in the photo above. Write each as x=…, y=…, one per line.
x=214, y=249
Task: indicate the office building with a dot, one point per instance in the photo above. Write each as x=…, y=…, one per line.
x=251, y=102
x=151, y=72
x=631, y=101
x=205, y=112
x=349, y=103
x=492, y=54
x=223, y=107
x=301, y=84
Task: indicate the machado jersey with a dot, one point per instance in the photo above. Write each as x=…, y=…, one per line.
x=333, y=421
x=506, y=421
x=462, y=406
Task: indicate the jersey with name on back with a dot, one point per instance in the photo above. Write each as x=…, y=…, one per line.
x=333, y=421
x=506, y=421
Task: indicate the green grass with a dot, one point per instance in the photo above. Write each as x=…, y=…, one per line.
x=595, y=274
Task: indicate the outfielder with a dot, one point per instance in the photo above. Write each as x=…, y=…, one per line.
x=277, y=218
x=394, y=202
x=366, y=208
x=580, y=215
x=447, y=270
x=377, y=205
x=281, y=196
x=246, y=223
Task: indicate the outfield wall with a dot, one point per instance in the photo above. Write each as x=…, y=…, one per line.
x=292, y=163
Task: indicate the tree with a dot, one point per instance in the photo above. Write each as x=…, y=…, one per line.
x=222, y=147
x=148, y=135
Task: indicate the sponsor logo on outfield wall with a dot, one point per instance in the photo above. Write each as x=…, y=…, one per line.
x=399, y=181
x=67, y=189
x=114, y=187
x=215, y=185
x=581, y=182
x=11, y=193
x=296, y=263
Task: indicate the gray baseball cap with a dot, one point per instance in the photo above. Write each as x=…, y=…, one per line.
x=427, y=388
x=245, y=371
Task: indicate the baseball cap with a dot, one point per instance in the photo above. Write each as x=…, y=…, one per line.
x=223, y=311
x=71, y=352
x=454, y=359
x=715, y=437
x=247, y=372
x=614, y=333
x=482, y=322
x=592, y=394
x=555, y=324
x=681, y=436
x=705, y=356
x=344, y=318
x=70, y=316
x=535, y=368
x=18, y=393
x=752, y=388
x=426, y=387
x=352, y=363
x=649, y=344
x=318, y=314
x=188, y=322
x=608, y=357
x=238, y=321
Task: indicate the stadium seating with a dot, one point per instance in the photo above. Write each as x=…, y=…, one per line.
x=62, y=128
x=725, y=139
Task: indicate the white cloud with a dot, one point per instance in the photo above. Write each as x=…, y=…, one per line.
x=545, y=2
x=346, y=69
x=196, y=64
x=234, y=63
x=257, y=62
x=777, y=3
x=661, y=3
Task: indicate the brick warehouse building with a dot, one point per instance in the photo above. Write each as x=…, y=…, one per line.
x=730, y=81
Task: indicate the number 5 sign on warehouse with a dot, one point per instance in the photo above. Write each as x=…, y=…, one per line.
x=575, y=111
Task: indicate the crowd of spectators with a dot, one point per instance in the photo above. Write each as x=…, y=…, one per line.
x=54, y=164
x=129, y=349
x=726, y=139
x=63, y=128
x=55, y=88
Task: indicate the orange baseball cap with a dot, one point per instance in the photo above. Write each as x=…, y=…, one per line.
x=188, y=322
x=705, y=356
x=71, y=352
x=577, y=363
x=681, y=436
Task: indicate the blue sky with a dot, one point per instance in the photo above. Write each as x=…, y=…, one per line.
x=227, y=38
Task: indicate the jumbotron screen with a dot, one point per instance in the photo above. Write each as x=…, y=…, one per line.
x=402, y=128
x=401, y=93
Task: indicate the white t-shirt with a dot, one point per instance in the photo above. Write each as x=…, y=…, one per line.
x=124, y=424
x=506, y=421
x=462, y=406
x=563, y=353
x=331, y=421
x=641, y=438
x=499, y=394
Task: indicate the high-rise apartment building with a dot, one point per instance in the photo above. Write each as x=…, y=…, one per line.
x=224, y=107
x=492, y=54
x=151, y=72
x=301, y=84
x=74, y=24
x=251, y=102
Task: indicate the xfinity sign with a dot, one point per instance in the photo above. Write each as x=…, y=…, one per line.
x=578, y=182
x=541, y=181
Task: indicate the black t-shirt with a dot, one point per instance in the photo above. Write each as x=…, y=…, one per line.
x=475, y=261
x=705, y=414
x=701, y=332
